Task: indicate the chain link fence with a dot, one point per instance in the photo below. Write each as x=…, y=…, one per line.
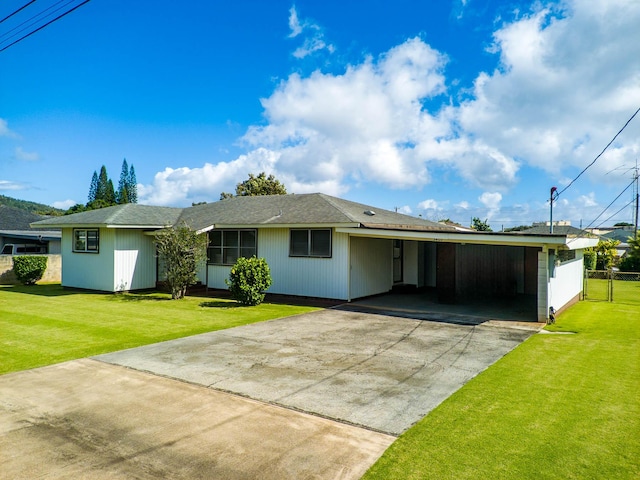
x=600, y=285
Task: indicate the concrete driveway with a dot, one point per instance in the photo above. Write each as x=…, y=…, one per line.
x=164, y=411
x=380, y=372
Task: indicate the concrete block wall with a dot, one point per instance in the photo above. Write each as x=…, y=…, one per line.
x=53, y=273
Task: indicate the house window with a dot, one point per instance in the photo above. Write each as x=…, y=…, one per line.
x=86, y=240
x=226, y=246
x=310, y=243
x=566, y=255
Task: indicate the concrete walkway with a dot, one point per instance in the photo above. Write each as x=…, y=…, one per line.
x=90, y=420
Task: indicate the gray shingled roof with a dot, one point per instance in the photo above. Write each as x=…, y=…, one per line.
x=130, y=214
x=293, y=209
x=557, y=230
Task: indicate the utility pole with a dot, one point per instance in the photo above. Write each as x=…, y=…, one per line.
x=635, y=174
x=551, y=199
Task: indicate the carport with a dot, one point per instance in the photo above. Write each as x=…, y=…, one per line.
x=493, y=271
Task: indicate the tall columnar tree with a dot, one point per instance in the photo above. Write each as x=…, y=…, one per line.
x=93, y=188
x=103, y=185
x=123, y=184
x=132, y=186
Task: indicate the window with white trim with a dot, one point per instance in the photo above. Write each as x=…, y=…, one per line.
x=226, y=246
x=310, y=242
x=86, y=240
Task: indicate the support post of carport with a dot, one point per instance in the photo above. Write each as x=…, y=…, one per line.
x=543, y=284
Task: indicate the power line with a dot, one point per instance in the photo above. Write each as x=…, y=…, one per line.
x=17, y=11
x=45, y=25
x=605, y=221
x=584, y=230
x=599, y=155
x=30, y=19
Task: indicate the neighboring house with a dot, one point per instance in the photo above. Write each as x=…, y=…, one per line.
x=322, y=246
x=621, y=234
x=17, y=237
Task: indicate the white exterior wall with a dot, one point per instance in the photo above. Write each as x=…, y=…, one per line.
x=371, y=266
x=567, y=282
x=543, y=284
x=410, y=263
x=311, y=277
x=134, y=261
x=92, y=271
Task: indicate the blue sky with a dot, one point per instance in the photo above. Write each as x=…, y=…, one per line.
x=441, y=109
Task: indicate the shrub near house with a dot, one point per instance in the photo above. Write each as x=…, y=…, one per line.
x=29, y=269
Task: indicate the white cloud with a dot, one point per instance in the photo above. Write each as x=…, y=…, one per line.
x=491, y=200
x=20, y=154
x=64, y=204
x=429, y=204
x=177, y=186
x=365, y=124
x=588, y=200
x=294, y=23
x=4, y=129
x=9, y=185
x=567, y=81
x=406, y=209
x=314, y=39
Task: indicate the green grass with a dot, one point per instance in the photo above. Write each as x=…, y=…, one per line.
x=45, y=324
x=558, y=406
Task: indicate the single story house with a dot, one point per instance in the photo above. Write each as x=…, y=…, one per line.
x=321, y=246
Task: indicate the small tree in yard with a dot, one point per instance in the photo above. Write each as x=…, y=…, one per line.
x=28, y=269
x=248, y=280
x=182, y=249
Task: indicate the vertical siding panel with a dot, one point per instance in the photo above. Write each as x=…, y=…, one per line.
x=371, y=266
x=92, y=271
x=134, y=261
x=312, y=277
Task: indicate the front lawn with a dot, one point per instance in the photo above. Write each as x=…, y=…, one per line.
x=559, y=406
x=45, y=324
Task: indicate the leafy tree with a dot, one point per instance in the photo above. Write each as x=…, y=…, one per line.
x=257, y=185
x=77, y=208
x=590, y=259
x=248, y=280
x=631, y=263
x=182, y=250
x=29, y=268
x=623, y=224
x=480, y=226
x=606, y=253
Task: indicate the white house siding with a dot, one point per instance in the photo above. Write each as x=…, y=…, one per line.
x=543, y=285
x=371, y=266
x=92, y=271
x=312, y=277
x=134, y=261
x=566, y=284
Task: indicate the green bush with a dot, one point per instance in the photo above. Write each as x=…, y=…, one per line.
x=248, y=280
x=590, y=260
x=29, y=268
